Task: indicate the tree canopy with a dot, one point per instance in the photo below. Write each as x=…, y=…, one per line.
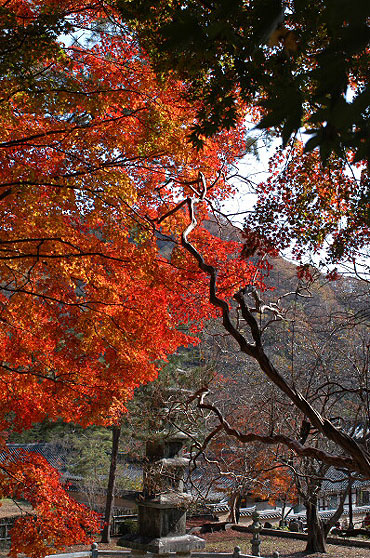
x=301, y=62
x=302, y=68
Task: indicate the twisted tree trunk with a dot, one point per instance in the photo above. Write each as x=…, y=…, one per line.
x=316, y=541
x=235, y=501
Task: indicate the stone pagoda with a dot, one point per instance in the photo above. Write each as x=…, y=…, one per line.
x=162, y=509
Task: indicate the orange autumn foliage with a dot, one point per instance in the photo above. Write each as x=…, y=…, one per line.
x=93, y=152
x=254, y=469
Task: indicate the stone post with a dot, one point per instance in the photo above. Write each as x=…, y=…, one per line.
x=256, y=529
x=94, y=550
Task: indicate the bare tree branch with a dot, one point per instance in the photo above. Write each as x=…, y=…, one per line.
x=360, y=458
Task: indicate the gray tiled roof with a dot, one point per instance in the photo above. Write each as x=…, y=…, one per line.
x=59, y=458
x=54, y=454
x=336, y=481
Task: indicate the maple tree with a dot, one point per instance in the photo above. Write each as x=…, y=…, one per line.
x=56, y=520
x=303, y=67
x=93, y=153
x=320, y=349
x=308, y=208
x=244, y=470
x=85, y=171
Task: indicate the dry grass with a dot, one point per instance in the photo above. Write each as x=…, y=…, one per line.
x=225, y=541
x=10, y=508
x=288, y=548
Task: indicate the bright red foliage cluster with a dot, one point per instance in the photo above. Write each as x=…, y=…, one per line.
x=310, y=207
x=56, y=519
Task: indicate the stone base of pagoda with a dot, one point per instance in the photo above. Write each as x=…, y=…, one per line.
x=182, y=544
